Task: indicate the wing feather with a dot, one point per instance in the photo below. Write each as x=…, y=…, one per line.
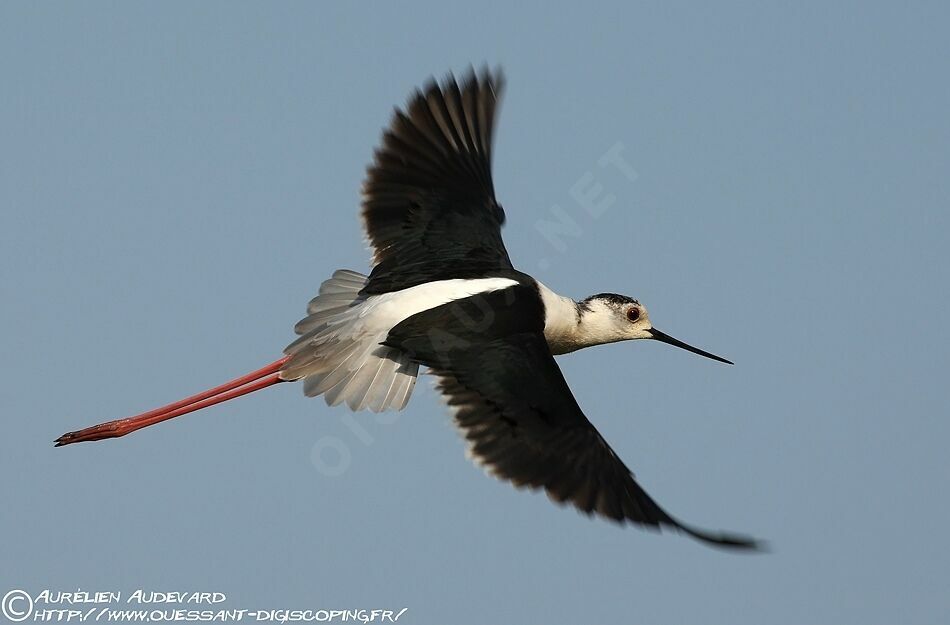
x=429, y=205
x=520, y=419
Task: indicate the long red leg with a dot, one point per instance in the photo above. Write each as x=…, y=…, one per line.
x=254, y=381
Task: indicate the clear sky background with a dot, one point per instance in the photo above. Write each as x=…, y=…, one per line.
x=176, y=179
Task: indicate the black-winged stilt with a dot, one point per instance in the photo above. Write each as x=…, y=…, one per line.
x=443, y=294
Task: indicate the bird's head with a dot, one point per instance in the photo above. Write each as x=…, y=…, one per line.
x=608, y=317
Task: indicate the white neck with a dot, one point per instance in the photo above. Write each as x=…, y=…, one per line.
x=561, y=322
x=569, y=326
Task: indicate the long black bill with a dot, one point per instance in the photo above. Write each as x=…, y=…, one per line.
x=666, y=338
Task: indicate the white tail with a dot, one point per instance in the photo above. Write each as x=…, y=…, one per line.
x=339, y=354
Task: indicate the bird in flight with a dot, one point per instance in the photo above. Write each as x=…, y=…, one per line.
x=443, y=294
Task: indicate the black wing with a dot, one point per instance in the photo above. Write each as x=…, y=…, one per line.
x=517, y=412
x=429, y=205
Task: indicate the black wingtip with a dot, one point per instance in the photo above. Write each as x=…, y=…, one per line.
x=484, y=76
x=725, y=540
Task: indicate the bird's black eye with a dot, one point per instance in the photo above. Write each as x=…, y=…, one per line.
x=633, y=313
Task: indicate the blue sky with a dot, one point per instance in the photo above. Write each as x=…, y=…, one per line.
x=176, y=179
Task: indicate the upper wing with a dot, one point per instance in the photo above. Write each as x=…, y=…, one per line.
x=429, y=206
x=518, y=414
